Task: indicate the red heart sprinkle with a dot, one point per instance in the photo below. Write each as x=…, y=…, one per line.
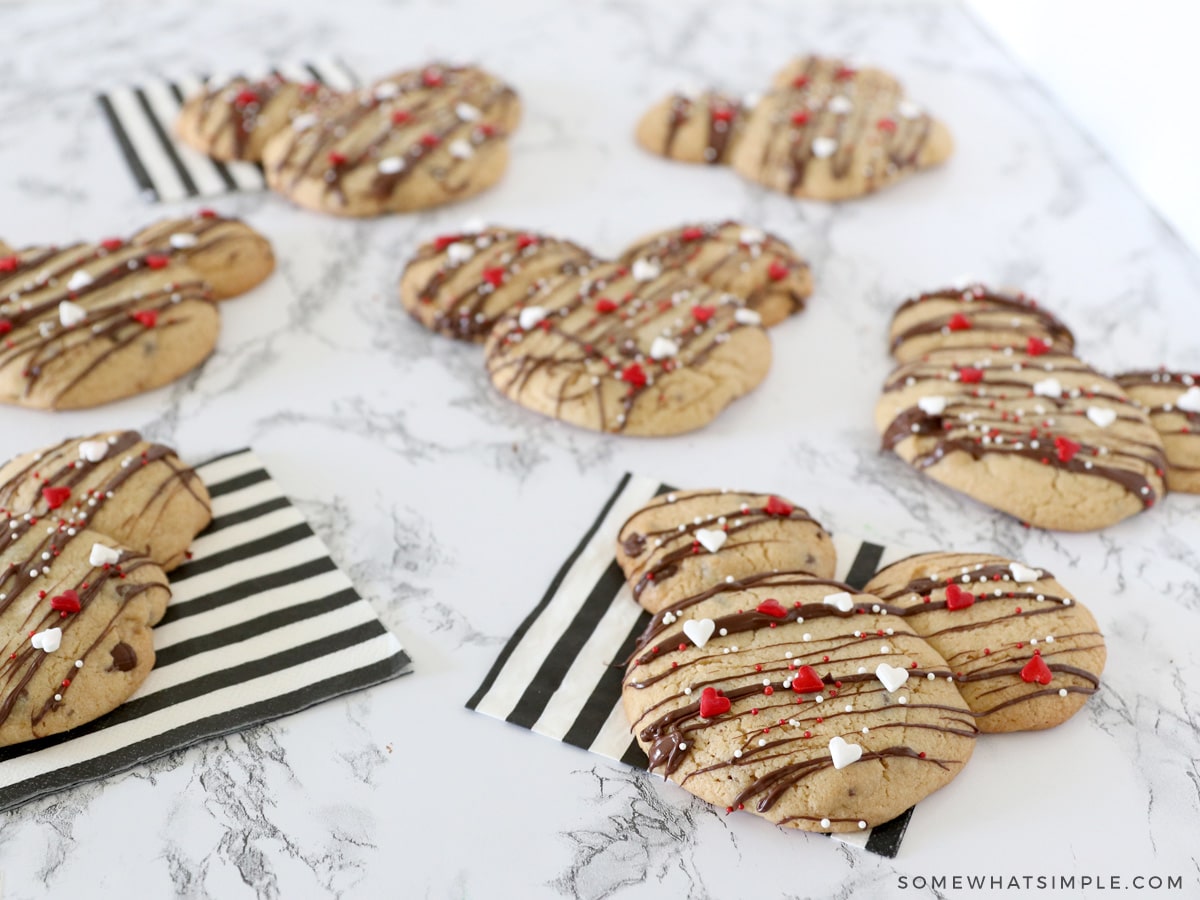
x=309, y=88
x=634, y=374
x=67, y=601
x=1037, y=670
x=494, y=276
x=337, y=159
x=777, y=507
x=691, y=234
x=957, y=598
x=245, y=98
x=1066, y=448
x=442, y=241
x=713, y=703
x=112, y=243
x=157, y=261
x=1035, y=346
x=56, y=496
x=722, y=114
x=800, y=81
x=777, y=271
x=5, y=326
x=970, y=375
x=487, y=129
x=959, y=322
x=771, y=607
x=400, y=116
x=807, y=681
x=148, y=317
x=525, y=240
x=430, y=140
x=800, y=117
x=604, y=305
x=9, y=263
x=432, y=78
x=887, y=125
x=206, y=213
x=703, y=313
x=845, y=73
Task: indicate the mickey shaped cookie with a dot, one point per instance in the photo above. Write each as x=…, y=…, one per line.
x=990, y=400
x=233, y=119
x=91, y=525
x=90, y=323
x=417, y=139
x=825, y=131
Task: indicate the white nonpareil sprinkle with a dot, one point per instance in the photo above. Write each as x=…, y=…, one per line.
x=391, y=165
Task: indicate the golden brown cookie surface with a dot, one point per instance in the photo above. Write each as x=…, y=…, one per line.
x=1172, y=401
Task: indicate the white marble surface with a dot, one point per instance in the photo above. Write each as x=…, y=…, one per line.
x=452, y=509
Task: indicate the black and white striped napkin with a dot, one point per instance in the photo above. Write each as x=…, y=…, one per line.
x=261, y=624
x=142, y=119
x=556, y=675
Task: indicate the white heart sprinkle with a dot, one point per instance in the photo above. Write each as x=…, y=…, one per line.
x=304, y=122
x=1189, y=400
x=753, y=236
x=390, y=165
x=893, y=677
x=751, y=100
x=842, y=753
x=466, y=112
x=48, y=640
x=934, y=406
x=745, y=316
x=699, y=630
x=908, y=110
x=460, y=149
x=459, y=252
x=183, y=240
x=530, y=316
x=1023, y=574
x=840, y=600
x=70, y=313
x=1048, y=387
x=386, y=90
x=711, y=539
x=1101, y=416
x=645, y=270
x=663, y=347
x=840, y=104
x=104, y=556
x=823, y=147
x=93, y=451
x=473, y=226
x=80, y=279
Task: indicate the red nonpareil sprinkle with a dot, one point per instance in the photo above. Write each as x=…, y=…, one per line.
x=957, y=598
x=487, y=130
x=148, y=317
x=800, y=117
x=112, y=243
x=309, y=88
x=430, y=140
x=56, y=496
x=337, y=158
x=401, y=117
x=1066, y=448
x=605, y=306
x=157, y=261
x=245, y=98
x=432, y=78
x=845, y=73
x=494, y=276
x=800, y=81
x=634, y=374
x=1036, y=670
x=768, y=691
x=692, y=233
x=807, y=681
x=888, y=125
x=9, y=263
x=66, y=602
x=778, y=270
x=713, y=703
x=771, y=607
x=442, y=241
x=722, y=113
x=703, y=313
x=777, y=507
x=1035, y=346
x=206, y=213
x=970, y=375
x=959, y=322
x=525, y=240
x=5, y=326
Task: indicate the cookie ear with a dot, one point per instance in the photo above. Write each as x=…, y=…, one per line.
x=1172, y=401
x=700, y=128
x=226, y=253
